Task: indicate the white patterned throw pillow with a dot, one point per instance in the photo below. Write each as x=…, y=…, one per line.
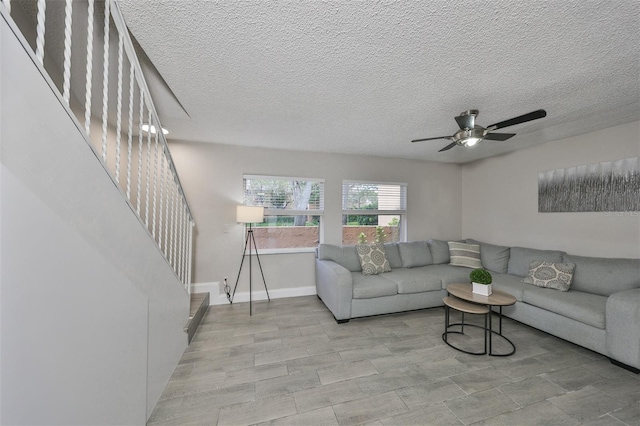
x=373, y=259
x=462, y=254
x=550, y=275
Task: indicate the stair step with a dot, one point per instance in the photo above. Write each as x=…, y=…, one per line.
x=199, y=306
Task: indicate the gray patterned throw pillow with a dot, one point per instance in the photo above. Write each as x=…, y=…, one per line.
x=373, y=259
x=550, y=275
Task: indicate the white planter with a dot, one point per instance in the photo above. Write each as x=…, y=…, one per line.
x=483, y=289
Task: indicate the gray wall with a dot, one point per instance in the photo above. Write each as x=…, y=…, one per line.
x=91, y=315
x=212, y=176
x=500, y=198
x=494, y=200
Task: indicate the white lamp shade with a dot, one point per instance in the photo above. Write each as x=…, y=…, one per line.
x=250, y=214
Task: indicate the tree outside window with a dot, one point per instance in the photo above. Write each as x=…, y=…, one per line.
x=293, y=210
x=367, y=205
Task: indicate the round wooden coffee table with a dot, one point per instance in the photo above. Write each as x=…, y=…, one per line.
x=463, y=292
x=468, y=308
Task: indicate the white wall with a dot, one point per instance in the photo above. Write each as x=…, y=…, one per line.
x=500, y=198
x=212, y=176
x=91, y=315
x=65, y=325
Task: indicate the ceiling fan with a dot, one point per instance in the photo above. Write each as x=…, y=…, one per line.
x=470, y=133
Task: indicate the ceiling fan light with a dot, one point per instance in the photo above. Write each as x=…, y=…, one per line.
x=469, y=142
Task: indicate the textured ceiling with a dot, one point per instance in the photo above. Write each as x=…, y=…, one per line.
x=368, y=77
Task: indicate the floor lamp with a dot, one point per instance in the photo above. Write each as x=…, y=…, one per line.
x=250, y=215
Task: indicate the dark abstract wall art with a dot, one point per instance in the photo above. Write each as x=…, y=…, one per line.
x=611, y=186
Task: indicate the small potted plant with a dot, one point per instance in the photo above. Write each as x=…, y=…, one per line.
x=481, y=280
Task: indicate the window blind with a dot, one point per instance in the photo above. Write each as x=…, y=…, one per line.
x=288, y=196
x=380, y=198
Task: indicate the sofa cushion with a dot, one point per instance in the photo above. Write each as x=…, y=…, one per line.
x=370, y=286
x=557, y=276
x=494, y=258
x=439, y=251
x=510, y=284
x=584, y=307
x=604, y=276
x=373, y=259
x=414, y=280
x=463, y=254
x=520, y=258
x=449, y=274
x=415, y=254
x=345, y=256
x=393, y=255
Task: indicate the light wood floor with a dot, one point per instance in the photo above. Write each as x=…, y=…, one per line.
x=291, y=364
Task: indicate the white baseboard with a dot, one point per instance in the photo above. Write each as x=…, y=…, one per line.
x=213, y=288
x=218, y=297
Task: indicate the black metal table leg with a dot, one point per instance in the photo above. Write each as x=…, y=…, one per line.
x=485, y=331
x=499, y=333
x=490, y=330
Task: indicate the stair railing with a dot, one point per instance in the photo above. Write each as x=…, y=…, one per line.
x=125, y=133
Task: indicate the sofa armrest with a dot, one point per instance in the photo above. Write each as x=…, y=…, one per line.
x=623, y=327
x=335, y=287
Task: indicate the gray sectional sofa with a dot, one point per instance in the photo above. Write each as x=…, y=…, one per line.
x=601, y=310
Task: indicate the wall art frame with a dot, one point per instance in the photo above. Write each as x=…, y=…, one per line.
x=610, y=186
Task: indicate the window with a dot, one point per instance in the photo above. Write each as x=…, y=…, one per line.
x=293, y=210
x=369, y=205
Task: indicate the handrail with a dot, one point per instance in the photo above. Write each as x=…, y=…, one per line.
x=166, y=214
x=122, y=28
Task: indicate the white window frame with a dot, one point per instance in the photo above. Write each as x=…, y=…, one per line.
x=289, y=212
x=400, y=211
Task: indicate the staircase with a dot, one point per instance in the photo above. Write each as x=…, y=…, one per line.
x=96, y=232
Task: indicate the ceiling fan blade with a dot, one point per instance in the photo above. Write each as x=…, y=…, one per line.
x=431, y=139
x=498, y=136
x=466, y=121
x=448, y=147
x=520, y=119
